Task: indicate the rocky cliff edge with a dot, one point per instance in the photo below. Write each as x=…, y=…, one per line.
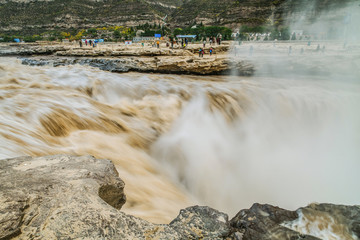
x=70, y=197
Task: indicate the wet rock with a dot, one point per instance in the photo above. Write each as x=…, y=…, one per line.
x=202, y=223
x=33, y=62
x=188, y=65
x=264, y=222
x=315, y=221
x=342, y=220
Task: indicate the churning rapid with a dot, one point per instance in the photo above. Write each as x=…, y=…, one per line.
x=222, y=141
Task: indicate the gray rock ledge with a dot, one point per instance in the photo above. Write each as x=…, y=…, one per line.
x=176, y=65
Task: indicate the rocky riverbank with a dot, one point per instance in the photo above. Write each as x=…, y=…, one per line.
x=247, y=59
x=62, y=196
x=120, y=58
x=107, y=50
x=184, y=65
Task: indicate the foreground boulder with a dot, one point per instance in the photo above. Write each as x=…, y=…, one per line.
x=264, y=222
x=49, y=197
x=68, y=197
x=314, y=222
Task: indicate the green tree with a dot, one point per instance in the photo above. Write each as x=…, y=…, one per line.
x=148, y=33
x=275, y=34
x=64, y=35
x=178, y=31
x=116, y=34
x=285, y=33
x=33, y=38
x=92, y=32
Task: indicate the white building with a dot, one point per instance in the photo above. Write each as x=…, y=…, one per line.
x=140, y=39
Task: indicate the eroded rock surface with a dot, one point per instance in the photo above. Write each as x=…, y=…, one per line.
x=107, y=50
x=56, y=195
x=139, y=59
x=69, y=197
x=264, y=222
x=318, y=219
x=202, y=223
x=29, y=49
x=185, y=65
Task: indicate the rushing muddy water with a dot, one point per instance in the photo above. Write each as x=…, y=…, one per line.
x=222, y=141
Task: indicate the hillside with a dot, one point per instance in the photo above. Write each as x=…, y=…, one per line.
x=233, y=13
x=225, y=12
x=36, y=16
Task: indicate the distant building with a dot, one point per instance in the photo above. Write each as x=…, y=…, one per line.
x=186, y=36
x=140, y=39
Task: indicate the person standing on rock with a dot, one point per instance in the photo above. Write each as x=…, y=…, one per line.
x=210, y=51
x=200, y=52
x=80, y=43
x=85, y=42
x=204, y=43
x=157, y=43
